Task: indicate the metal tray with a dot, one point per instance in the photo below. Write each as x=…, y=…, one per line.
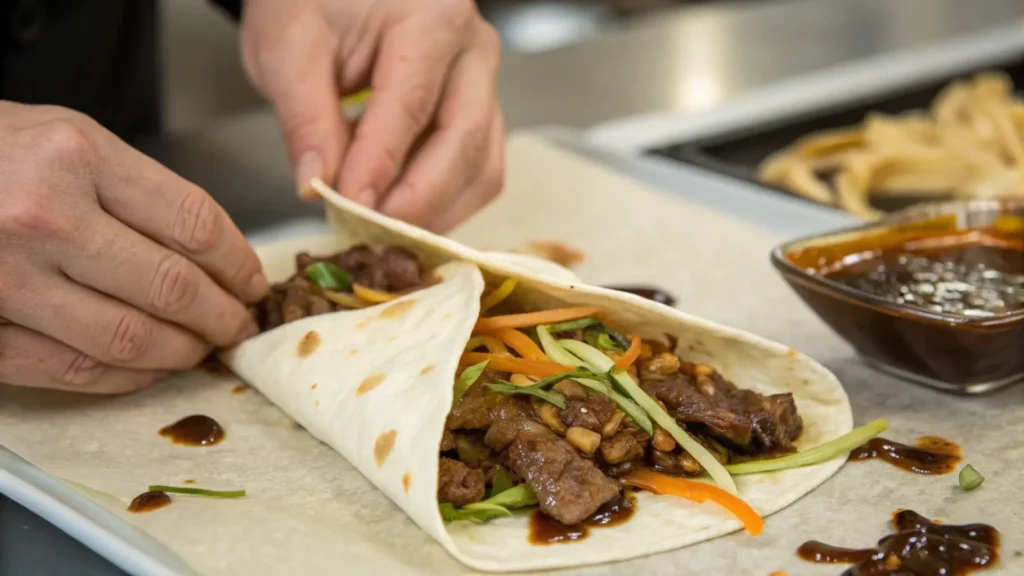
x=737, y=153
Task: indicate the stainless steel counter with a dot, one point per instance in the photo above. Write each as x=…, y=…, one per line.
x=695, y=58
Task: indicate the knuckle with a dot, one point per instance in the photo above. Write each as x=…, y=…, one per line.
x=66, y=141
x=132, y=336
x=458, y=13
x=473, y=145
x=82, y=371
x=175, y=285
x=31, y=213
x=195, y=223
x=490, y=39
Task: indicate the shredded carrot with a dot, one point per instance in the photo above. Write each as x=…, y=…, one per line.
x=523, y=366
x=519, y=342
x=694, y=491
x=534, y=318
x=372, y=296
x=498, y=295
x=627, y=359
x=493, y=345
x=344, y=299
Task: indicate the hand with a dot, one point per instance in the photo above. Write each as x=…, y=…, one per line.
x=433, y=113
x=112, y=268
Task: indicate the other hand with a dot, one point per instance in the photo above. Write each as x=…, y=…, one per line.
x=433, y=113
x=113, y=269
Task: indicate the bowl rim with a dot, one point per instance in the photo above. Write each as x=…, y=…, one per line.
x=915, y=213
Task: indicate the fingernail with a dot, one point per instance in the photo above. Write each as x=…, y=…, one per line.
x=248, y=331
x=257, y=287
x=310, y=166
x=366, y=197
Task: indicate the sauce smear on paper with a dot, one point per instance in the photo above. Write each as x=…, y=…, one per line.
x=931, y=455
x=195, y=430
x=919, y=547
x=546, y=530
x=149, y=501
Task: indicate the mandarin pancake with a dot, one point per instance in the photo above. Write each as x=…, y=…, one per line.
x=195, y=430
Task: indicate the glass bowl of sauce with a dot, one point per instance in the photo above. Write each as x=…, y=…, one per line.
x=933, y=294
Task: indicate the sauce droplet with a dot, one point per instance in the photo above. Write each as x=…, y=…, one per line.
x=195, y=430
x=932, y=455
x=149, y=501
x=546, y=530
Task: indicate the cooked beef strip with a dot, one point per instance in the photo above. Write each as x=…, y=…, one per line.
x=393, y=269
x=480, y=406
x=459, y=484
x=569, y=487
x=447, y=441
x=747, y=421
x=473, y=451
x=591, y=412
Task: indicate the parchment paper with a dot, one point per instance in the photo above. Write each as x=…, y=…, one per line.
x=716, y=266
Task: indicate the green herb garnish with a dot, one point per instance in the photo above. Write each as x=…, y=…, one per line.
x=328, y=276
x=478, y=514
x=198, y=491
x=970, y=478
x=502, y=481
x=519, y=496
x=466, y=379
x=820, y=453
x=573, y=325
x=549, y=396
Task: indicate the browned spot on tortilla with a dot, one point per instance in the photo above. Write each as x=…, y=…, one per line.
x=394, y=338
x=448, y=315
x=397, y=310
x=239, y=389
x=313, y=387
x=190, y=481
x=317, y=404
x=557, y=252
x=370, y=382
x=353, y=352
x=309, y=343
x=793, y=352
x=382, y=447
x=406, y=481
x=363, y=324
x=426, y=370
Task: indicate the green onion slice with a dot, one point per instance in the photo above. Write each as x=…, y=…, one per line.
x=328, y=276
x=198, y=491
x=573, y=325
x=820, y=453
x=549, y=396
x=598, y=362
x=970, y=478
x=466, y=379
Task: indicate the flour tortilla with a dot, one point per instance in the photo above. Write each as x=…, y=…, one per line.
x=383, y=407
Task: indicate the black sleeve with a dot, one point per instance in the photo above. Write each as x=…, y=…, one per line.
x=232, y=7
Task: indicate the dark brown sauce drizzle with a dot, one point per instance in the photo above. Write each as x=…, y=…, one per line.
x=546, y=530
x=919, y=547
x=656, y=294
x=932, y=455
x=196, y=430
x=149, y=501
